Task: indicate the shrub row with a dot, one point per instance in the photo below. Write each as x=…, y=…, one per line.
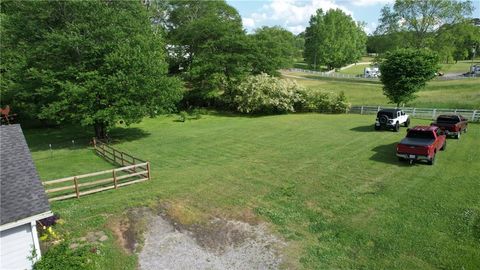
x=266, y=94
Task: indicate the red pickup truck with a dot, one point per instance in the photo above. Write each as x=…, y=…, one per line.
x=421, y=143
x=452, y=124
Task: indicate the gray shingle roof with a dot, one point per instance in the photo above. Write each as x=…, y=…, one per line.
x=22, y=194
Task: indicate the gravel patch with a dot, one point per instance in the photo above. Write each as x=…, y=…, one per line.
x=221, y=244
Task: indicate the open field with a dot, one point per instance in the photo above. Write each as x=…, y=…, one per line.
x=460, y=67
x=464, y=94
x=355, y=70
x=327, y=184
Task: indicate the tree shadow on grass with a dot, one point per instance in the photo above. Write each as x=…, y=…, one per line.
x=127, y=134
x=75, y=137
x=386, y=154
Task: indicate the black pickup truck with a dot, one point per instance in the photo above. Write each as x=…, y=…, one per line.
x=452, y=125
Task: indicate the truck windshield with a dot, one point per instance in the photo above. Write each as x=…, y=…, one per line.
x=447, y=119
x=420, y=134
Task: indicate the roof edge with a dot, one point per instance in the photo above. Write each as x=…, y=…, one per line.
x=25, y=220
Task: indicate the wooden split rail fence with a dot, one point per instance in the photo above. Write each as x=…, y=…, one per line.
x=136, y=171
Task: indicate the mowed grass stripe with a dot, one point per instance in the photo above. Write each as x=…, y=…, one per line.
x=329, y=184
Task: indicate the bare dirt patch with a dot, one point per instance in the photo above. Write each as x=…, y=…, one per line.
x=215, y=244
x=129, y=229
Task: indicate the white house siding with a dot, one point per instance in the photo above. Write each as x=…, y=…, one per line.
x=16, y=245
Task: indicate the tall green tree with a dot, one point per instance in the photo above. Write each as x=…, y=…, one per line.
x=333, y=39
x=274, y=48
x=421, y=18
x=96, y=63
x=207, y=46
x=405, y=72
x=457, y=41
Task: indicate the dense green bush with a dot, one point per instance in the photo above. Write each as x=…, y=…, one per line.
x=316, y=101
x=61, y=257
x=313, y=101
x=340, y=104
x=264, y=94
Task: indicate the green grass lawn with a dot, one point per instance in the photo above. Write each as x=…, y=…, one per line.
x=459, y=67
x=461, y=94
x=367, y=59
x=354, y=70
x=328, y=184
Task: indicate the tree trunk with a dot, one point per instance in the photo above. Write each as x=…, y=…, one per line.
x=100, y=130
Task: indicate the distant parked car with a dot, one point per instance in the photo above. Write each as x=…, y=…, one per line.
x=391, y=119
x=422, y=143
x=371, y=72
x=452, y=125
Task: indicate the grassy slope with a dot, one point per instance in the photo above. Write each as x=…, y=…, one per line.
x=463, y=94
x=354, y=70
x=327, y=183
x=459, y=67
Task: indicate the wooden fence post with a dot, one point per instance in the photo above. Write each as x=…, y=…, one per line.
x=121, y=156
x=94, y=143
x=114, y=179
x=413, y=112
x=114, y=156
x=76, y=186
x=378, y=109
x=473, y=115
x=361, y=110
x=148, y=170
x=434, y=113
x=133, y=161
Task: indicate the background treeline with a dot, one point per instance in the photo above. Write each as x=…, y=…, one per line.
x=99, y=63
x=442, y=26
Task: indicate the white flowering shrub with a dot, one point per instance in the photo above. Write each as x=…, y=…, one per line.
x=266, y=94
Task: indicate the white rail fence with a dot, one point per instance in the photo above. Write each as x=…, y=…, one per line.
x=330, y=74
x=423, y=113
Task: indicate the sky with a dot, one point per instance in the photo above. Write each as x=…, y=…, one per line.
x=294, y=15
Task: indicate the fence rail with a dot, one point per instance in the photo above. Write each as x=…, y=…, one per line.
x=133, y=170
x=74, y=186
x=113, y=155
x=330, y=74
x=422, y=113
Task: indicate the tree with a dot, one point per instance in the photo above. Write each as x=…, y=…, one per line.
x=456, y=41
x=421, y=18
x=333, y=39
x=405, y=72
x=382, y=43
x=96, y=63
x=207, y=46
x=273, y=48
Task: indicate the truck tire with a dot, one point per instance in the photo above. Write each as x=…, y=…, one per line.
x=444, y=146
x=432, y=161
x=407, y=123
x=396, y=128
